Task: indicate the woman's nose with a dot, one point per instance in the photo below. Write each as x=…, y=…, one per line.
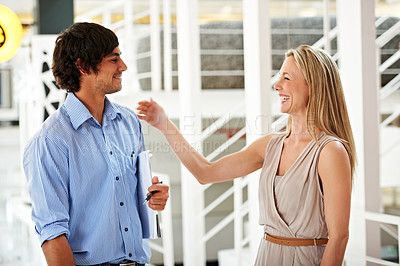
x=276, y=86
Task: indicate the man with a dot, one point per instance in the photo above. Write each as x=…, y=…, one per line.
x=82, y=166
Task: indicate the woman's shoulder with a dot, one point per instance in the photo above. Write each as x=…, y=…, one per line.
x=266, y=141
x=271, y=137
x=275, y=137
x=334, y=146
x=334, y=159
x=326, y=138
x=332, y=149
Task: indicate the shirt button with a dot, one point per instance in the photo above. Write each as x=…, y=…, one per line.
x=111, y=152
x=117, y=178
x=126, y=229
x=130, y=254
x=121, y=203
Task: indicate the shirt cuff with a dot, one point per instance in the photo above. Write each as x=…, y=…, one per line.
x=52, y=231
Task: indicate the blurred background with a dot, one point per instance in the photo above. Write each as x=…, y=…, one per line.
x=232, y=50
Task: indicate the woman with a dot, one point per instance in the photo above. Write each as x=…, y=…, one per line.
x=306, y=177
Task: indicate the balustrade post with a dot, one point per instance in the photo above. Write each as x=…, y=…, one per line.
x=167, y=46
x=155, y=43
x=356, y=43
x=188, y=42
x=258, y=92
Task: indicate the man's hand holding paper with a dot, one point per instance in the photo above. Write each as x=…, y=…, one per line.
x=146, y=185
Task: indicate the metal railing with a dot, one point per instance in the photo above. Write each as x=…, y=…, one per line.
x=385, y=219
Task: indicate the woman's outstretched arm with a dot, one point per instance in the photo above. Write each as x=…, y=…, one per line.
x=229, y=167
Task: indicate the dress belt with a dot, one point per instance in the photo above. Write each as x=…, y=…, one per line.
x=288, y=241
x=124, y=263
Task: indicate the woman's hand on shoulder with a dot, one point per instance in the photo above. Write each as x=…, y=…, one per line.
x=151, y=112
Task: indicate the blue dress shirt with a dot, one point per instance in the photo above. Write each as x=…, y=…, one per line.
x=82, y=179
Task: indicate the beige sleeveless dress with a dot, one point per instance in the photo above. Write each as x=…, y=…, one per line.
x=295, y=208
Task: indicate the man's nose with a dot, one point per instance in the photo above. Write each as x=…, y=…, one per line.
x=123, y=66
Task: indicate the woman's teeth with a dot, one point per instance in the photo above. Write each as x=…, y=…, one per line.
x=284, y=98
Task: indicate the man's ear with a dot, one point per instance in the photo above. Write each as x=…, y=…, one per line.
x=79, y=66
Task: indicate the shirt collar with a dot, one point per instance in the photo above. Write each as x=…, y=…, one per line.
x=111, y=110
x=79, y=114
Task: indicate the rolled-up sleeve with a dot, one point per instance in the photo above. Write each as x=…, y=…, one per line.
x=46, y=168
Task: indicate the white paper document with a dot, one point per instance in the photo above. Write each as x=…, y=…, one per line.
x=148, y=216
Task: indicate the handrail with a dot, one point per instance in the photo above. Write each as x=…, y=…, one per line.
x=142, y=14
x=279, y=123
x=380, y=261
x=227, y=144
x=390, y=61
x=332, y=34
x=380, y=20
x=213, y=231
x=229, y=218
x=382, y=218
x=390, y=230
x=207, y=73
x=390, y=87
x=388, y=35
x=390, y=118
x=394, y=84
x=220, y=122
x=217, y=201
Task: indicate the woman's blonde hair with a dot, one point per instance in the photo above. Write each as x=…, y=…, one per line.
x=326, y=108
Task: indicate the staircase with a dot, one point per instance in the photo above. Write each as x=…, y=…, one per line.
x=150, y=52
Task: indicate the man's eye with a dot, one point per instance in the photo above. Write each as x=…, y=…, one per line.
x=287, y=78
